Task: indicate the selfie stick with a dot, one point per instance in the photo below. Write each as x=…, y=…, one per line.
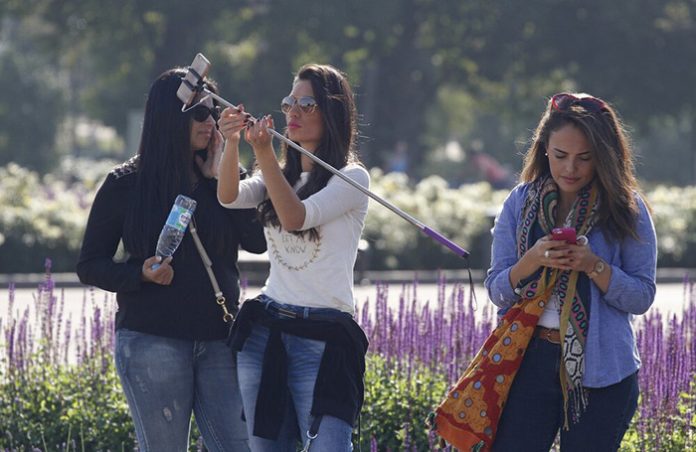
x=192, y=84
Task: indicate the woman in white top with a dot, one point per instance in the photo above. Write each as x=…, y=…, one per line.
x=299, y=333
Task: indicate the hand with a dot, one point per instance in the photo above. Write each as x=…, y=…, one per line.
x=582, y=258
x=551, y=253
x=209, y=166
x=163, y=275
x=232, y=121
x=258, y=136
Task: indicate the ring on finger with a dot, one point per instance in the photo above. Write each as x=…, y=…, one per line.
x=546, y=254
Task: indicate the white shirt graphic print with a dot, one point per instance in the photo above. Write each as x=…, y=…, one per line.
x=291, y=250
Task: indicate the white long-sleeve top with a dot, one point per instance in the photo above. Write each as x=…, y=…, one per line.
x=314, y=273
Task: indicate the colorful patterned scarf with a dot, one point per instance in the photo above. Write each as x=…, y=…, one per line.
x=468, y=417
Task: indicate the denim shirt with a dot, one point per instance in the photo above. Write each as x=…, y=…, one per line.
x=611, y=353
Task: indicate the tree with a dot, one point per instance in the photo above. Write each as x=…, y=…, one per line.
x=31, y=102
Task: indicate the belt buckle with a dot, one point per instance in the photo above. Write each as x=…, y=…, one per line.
x=547, y=335
x=286, y=313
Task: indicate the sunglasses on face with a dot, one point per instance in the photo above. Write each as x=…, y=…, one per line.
x=200, y=113
x=306, y=103
x=563, y=101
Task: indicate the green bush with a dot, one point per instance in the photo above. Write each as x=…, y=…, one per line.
x=672, y=433
x=59, y=389
x=77, y=407
x=674, y=214
x=393, y=398
x=82, y=407
x=41, y=218
x=464, y=215
x=45, y=217
x=51, y=407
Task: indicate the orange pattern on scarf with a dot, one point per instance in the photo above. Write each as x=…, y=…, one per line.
x=468, y=417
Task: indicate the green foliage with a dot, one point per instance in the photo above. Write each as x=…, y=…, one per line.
x=40, y=218
x=30, y=109
x=49, y=401
x=47, y=406
x=425, y=71
x=674, y=434
x=45, y=217
x=393, y=398
x=66, y=407
x=674, y=215
x=464, y=214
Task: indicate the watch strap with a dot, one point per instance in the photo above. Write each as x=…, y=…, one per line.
x=598, y=268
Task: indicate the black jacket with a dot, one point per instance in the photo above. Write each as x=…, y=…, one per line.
x=339, y=390
x=186, y=308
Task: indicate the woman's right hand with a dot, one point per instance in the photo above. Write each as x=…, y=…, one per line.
x=162, y=275
x=232, y=122
x=550, y=253
x=257, y=135
x=546, y=252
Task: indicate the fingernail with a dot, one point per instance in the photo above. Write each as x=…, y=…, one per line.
x=159, y=258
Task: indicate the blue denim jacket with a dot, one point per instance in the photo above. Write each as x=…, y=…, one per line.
x=611, y=352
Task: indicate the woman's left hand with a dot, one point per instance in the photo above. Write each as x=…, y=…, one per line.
x=209, y=166
x=581, y=258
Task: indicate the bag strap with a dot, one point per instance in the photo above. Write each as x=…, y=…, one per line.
x=208, y=264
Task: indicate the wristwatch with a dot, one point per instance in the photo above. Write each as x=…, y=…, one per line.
x=598, y=268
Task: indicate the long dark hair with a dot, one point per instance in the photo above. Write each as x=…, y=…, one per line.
x=336, y=104
x=612, y=154
x=163, y=163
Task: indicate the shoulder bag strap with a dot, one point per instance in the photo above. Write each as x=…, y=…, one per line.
x=208, y=264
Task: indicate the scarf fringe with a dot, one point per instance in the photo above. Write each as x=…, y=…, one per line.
x=574, y=405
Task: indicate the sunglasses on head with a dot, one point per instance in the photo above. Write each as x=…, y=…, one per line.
x=200, y=113
x=563, y=101
x=306, y=103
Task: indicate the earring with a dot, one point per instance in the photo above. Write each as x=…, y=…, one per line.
x=546, y=154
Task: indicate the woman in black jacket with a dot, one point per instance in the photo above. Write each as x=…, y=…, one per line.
x=170, y=353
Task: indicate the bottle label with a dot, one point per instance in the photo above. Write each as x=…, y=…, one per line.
x=179, y=218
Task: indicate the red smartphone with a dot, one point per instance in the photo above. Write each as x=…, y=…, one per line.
x=567, y=234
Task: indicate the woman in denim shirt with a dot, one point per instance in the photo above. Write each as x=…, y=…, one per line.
x=580, y=368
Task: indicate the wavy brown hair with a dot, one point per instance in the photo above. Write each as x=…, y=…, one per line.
x=611, y=152
x=336, y=104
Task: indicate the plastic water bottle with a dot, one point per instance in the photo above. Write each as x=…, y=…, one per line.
x=175, y=227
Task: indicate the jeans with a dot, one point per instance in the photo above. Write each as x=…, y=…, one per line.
x=534, y=411
x=165, y=379
x=304, y=357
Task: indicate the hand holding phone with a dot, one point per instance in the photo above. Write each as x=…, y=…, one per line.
x=567, y=234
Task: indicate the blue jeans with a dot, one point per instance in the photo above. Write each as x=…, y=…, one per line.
x=304, y=357
x=534, y=412
x=166, y=379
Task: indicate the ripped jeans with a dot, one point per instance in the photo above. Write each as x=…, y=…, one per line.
x=166, y=379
